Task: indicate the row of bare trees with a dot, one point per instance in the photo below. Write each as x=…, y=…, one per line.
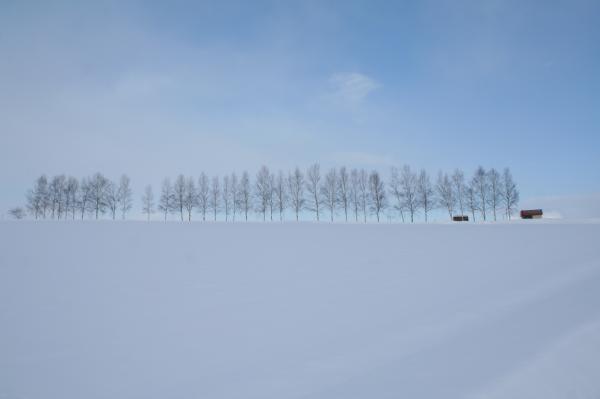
x=354, y=194
x=63, y=197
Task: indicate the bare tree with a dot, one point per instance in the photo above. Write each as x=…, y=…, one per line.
x=458, y=181
x=125, y=196
x=148, y=202
x=98, y=188
x=45, y=198
x=495, y=190
x=37, y=198
x=71, y=195
x=85, y=196
x=203, y=195
x=215, y=191
x=377, y=193
x=32, y=206
x=54, y=195
x=510, y=194
x=296, y=189
x=280, y=194
x=234, y=195
x=425, y=193
x=245, y=194
x=271, y=200
x=363, y=188
x=480, y=187
x=354, y=193
x=343, y=190
x=472, y=202
x=263, y=191
x=329, y=190
x=226, y=196
x=112, y=198
x=165, y=204
x=56, y=191
x=179, y=195
x=190, y=197
x=408, y=182
x=445, y=192
x=313, y=182
x=397, y=192
x=17, y=213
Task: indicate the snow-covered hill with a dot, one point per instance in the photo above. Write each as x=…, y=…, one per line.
x=154, y=310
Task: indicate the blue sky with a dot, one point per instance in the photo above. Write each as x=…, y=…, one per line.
x=155, y=89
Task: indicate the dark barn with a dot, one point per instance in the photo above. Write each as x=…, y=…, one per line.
x=460, y=218
x=531, y=214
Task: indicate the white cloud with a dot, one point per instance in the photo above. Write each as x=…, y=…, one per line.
x=352, y=87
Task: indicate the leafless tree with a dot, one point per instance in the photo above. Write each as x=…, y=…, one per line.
x=458, y=182
x=408, y=183
x=263, y=191
x=234, y=195
x=17, y=213
x=329, y=190
x=510, y=194
x=179, y=195
x=445, y=192
x=56, y=192
x=245, y=194
x=472, y=202
x=190, y=197
x=313, y=182
x=363, y=189
x=37, y=198
x=272, y=199
x=354, y=193
x=203, y=195
x=226, y=196
x=112, y=198
x=280, y=194
x=377, y=194
x=397, y=192
x=125, y=196
x=343, y=190
x=85, y=197
x=32, y=206
x=98, y=188
x=295, y=183
x=425, y=193
x=495, y=190
x=71, y=194
x=215, y=191
x=165, y=204
x=480, y=187
x=148, y=202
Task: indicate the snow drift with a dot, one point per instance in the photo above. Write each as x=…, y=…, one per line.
x=169, y=310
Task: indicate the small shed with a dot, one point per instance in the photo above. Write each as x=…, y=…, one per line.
x=531, y=214
x=460, y=218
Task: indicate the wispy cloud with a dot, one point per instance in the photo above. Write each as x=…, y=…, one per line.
x=352, y=87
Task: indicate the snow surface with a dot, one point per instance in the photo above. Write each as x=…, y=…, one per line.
x=169, y=310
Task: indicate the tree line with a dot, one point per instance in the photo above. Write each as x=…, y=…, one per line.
x=69, y=198
x=353, y=194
